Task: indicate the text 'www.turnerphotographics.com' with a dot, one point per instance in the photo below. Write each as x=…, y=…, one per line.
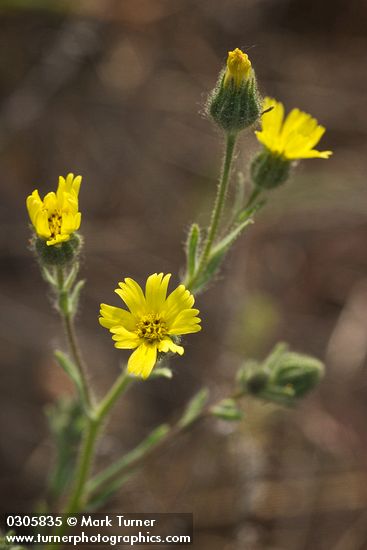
x=104, y=529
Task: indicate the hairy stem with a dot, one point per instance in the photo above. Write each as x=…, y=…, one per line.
x=87, y=452
x=71, y=337
x=218, y=206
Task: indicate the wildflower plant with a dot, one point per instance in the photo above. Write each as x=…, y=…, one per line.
x=152, y=321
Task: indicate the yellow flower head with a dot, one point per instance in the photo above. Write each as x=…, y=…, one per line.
x=293, y=137
x=238, y=68
x=151, y=322
x=56, y=217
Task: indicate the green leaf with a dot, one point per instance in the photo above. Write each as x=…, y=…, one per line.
x=217, y=255
x=230, y=238
x=239, y=196
x=194, y=408
x=192, y=247
x=48, y=276
x=98, y=500
x=250, y=211
x=74, y=297
x=275, y=356
x=70, y=368
x=227, y=410
x=161, y=372
x=127, y=461
x=71, y=276
x=66, y=421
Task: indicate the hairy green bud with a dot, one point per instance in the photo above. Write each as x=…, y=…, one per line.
x=57, y=254
x=235, y=102
x=269, y=170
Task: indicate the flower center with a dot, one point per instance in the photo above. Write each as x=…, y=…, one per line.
x=54, y=224
x=151, y=327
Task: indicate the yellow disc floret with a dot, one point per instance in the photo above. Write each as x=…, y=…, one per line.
x=56, y=217
x=152, y=322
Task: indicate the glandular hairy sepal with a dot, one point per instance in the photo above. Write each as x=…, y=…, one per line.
x=58, y=254
x=234, y=107
x=269, y=170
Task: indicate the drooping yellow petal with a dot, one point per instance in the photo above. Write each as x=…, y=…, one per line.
x=167, y=345
x=58, y=239
x=142, y=360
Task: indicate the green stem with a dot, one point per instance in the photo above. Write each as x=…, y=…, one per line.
x=85, y=463
x=218, y=206
x=140, y=454
x=71, y=338
x=87, y=451
x=252, y=198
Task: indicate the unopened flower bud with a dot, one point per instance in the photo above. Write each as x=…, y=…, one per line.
x=252, y=377
x=235, y=103
x=301, y=373
x=268, y=170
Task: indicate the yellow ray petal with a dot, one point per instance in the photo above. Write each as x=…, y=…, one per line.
x=115, y=316
x=142, y=360
x=132, y=294
x=156, y=291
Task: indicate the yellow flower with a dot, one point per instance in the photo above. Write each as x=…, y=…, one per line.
x=56, y=217
x=238, y=68
x=152, y=321
x=293, y=137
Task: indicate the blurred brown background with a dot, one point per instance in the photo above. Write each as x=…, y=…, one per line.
x=113, y=90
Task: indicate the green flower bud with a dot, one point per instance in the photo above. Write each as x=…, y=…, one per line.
x=57, y=254
x=235, y=103
x=300, y=373
x=252, y=377
x=269, y=170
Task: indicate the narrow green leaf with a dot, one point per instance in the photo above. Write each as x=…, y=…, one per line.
x=194, y=408
x=275, y=355
x=227, y=410
x=127, y=460
x=239, y=197
x=162, y=372
x=66, y=421
x=70, y=368
x=250, y=211
x=48, y=276
x=217, y=255
x=192, y=247
x=74, y=297
x=71, y=276
x=230, y=238
x=98, y=500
